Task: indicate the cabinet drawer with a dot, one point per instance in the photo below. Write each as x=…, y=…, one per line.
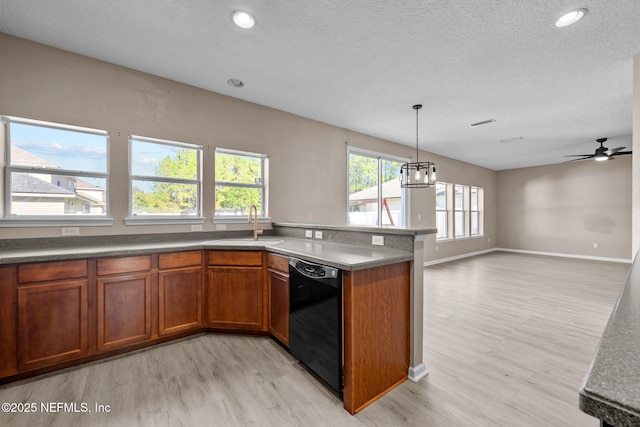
x=179, y=259
x=108, y=266
x=52, y=271
x=278, y=262
x=247, y=258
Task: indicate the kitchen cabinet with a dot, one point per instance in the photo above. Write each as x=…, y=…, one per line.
x=278, y=278
x=124, y=301
x=52, y=313
x=235, y=291
x=180, y=289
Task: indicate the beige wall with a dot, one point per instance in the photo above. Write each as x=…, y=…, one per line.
x=636, y=149
x=308, y=177
x=566, y=208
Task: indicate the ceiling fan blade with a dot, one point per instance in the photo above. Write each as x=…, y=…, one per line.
x=622, y=153
x=580, y=155
x=613, y=151
x=577, y=160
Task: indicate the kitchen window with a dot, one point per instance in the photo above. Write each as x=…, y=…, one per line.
x=54, y=174
x=240, y=184
x=443, y=209
x=374, y=194
x=164, y=181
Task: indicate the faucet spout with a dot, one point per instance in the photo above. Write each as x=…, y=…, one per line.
x=253, y=215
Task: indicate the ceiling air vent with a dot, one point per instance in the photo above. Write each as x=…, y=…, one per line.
x=484, y=122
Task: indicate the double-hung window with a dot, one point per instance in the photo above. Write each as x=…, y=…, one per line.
x=240, y=184
x=55, y=173
x=164, y=180
x=477, y=202
x=460, y=207
x=443, y=191
x=375, y=195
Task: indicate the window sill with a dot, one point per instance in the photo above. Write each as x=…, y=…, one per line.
x=445, y=240
x=51, y=221
x=164, y=220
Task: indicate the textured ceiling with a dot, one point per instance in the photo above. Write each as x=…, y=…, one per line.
x=362, y=64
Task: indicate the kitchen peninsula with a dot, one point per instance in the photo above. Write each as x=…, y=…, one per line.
x=66, y=301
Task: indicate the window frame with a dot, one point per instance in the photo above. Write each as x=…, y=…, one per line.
x=263, y=186
x=10, y=220
x=447, y=210
x=479, y=211
x=404, y=215
x=155, y=219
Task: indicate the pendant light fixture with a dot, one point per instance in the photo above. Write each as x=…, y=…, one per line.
x=417, y=174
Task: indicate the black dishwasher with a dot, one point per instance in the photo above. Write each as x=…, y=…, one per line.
x=315, y=319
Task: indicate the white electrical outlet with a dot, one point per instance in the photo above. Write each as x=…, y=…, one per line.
x=308, y=233
x=489, y=239
x=377, y=240
x=419, y=217
x=221, y=227
x=70, y=231
x=196, y=227
x=595, y=246
x=318, y=234
x=437, y=248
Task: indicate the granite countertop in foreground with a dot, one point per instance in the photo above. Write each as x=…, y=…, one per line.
x=611, y=389
x=346, y=257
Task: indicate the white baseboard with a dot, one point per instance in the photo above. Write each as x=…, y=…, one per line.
x=453, y=258
x=523, y=251
x=594, y=258
x=416, y=373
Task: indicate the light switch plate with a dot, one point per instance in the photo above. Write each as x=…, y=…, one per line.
x=196, y=227
x=308, y=233
x=70, y=231
x=221, y=227
x=318, y=234
x=377, y=240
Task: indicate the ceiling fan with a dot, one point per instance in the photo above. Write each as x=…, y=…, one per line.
x=601, y=153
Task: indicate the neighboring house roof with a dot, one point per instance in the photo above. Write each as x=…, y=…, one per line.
x=20, y=157
x=390, y=190
x=25, y=183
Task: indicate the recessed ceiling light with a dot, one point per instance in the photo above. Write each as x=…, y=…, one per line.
x=571, y=17
x=235, y=82
x=243, y=19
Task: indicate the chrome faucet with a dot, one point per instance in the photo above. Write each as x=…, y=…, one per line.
x=253, y=209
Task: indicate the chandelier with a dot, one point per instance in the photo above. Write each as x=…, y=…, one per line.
x=417, y=174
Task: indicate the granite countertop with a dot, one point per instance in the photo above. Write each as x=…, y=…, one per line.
x=611, y=389
x=346, y=257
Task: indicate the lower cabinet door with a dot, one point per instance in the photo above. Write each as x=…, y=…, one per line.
x=124, y=310
x=279, y=306
x=235, y=298
x=52, y=323
x=180, y=300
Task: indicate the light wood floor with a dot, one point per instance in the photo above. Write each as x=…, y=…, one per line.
x=508, y=339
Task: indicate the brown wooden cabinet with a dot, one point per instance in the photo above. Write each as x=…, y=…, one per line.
x=278, y=277
x=180, y=289
x=124, y=301
x=52, y=313
x=235, y=291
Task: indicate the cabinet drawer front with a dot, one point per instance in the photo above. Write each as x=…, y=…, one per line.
x=248, y=258
x=52, y=271
x=107, y=266
x=179, y=259
x=278, y=262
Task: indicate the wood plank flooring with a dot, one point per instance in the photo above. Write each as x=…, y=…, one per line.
x=508, y=340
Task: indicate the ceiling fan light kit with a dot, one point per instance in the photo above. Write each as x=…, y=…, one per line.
x=417, y=174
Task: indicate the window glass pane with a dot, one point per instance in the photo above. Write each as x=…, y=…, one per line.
x=459, y=197
x=474, y=223
x=441, y=196
x=441, y=224
x=169, y=161
x=238, y=168
x=51, y=194
x=459, y=223
x=474, y=198
x=236, y=201
x=363, y=190
x=392, y=212
x=41, y=146
x=163, y=198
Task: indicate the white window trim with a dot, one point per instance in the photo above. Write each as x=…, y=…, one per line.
x=165, y=219
x=379, y=156
x=9, y=220
x=447, y=211
x=264, y=178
